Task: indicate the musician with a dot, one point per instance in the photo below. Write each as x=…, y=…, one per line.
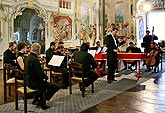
x=153, y=56
x=36, y=77
x=147, y=40
x=50, y=53
x=63, y=67
x=112, y=44
x=10, y=57
x=131, y=49
x=98, y=47
x=85, y=58
x=21, y=47
x=60, y=43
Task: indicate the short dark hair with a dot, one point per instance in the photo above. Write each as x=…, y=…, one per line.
x=11, y=44
x=115, y=29
x=84, y=47
x=60, y=42
x=59, y=47
x=21, y=46
x=97, y=42
x=147, y=31
x=52, y=44
x=130, y=43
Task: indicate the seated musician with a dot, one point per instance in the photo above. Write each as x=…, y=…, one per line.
x=10, y=57
x=63, y=67
x=50, y=53
x=131, y=49
x=153, y=56
x=85, y=58
x=20, y=56
x=36, y=77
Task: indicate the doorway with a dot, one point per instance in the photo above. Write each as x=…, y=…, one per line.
x=29, y=28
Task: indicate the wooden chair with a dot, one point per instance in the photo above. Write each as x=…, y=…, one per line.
x=45, y=69
x=53, y=76
x=74, y=69
x=8, y=80
x=25, y=92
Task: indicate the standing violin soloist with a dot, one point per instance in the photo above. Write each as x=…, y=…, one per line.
x=112, y=44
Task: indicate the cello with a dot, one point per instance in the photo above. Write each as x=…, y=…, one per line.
x=151, y=55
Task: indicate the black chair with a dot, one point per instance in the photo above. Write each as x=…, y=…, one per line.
x=77, y=69
x=25, y=92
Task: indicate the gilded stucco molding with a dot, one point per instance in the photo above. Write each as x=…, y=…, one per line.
x=18, y=8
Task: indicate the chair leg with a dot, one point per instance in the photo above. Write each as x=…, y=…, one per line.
x=25, y=104
x=92, y=87
x=83, y=90
x=9, y=90
x=16, y=101
x=4, y=93
x=70, y=88
x=44, y=101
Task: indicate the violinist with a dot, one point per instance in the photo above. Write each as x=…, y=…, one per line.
x=63, y=67
x=50, y=53
x=153, y=56
x=10, y=56
x=21, y=47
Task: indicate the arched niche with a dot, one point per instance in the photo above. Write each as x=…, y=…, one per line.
x=38, y=11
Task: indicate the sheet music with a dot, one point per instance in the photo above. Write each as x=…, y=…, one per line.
x=92, y=52
x=98, y=50
x=104, y=49
x=56, y=60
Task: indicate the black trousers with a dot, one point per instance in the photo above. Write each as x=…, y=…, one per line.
x=49, y=88
x=91, y=77
x=112, y=65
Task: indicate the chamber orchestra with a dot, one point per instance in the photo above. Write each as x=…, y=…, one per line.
x=97, y=59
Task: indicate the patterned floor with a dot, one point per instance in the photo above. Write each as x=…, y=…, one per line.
x=63, y=102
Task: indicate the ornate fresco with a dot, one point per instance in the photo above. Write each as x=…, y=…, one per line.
x=61, y=29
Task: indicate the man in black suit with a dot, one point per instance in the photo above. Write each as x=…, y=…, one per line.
x=112, y=44
x=10, y=57
x=36, y=77
x=50, y=52
x=147, y=40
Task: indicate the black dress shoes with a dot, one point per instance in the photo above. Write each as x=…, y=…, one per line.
x=110, y=81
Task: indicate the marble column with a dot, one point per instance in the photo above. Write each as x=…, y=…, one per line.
x=98, y=20
x=102, y=19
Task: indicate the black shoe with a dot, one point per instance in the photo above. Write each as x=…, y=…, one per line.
x=155, y=69
x=110, y=81
x=36, y=102
x=80, y=86
x=40, y=104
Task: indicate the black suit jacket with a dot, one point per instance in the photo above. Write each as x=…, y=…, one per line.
x=110, y=43
x=33, y=70
x=9, y=57
x=49, y=55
